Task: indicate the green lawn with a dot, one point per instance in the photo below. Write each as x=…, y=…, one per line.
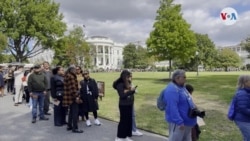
x=213, y=92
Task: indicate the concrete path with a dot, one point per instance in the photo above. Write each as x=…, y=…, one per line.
x=15, y=125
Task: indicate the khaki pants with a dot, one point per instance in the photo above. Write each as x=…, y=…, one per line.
x=19, y=93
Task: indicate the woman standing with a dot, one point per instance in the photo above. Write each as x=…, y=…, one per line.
x=57, y=88
x=89, y=96
x=126, y=101
x=242, y=106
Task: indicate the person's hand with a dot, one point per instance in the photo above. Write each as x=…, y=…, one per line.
x=31, y=94
x=45, y=92
x=134, y=88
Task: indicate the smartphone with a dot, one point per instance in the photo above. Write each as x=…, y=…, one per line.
x=136, y=86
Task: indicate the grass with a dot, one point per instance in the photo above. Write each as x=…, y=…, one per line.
x=213, y=92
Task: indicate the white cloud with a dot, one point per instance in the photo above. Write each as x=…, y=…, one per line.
x=131, y=20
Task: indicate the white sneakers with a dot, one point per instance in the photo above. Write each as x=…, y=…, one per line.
x=123, y=139
x=128, y=139
x=97, y=122
x=88, y=123
x=136, y=133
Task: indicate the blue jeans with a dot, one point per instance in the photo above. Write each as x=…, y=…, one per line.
x=37, y=98
x=245, y=129
x=133, y=120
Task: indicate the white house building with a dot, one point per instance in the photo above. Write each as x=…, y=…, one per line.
x=108, y=53
x=46, y=55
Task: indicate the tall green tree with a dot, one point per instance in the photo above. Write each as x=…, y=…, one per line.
x=129, y=56
x=30, y=25
x=228, y=58
x=171, y=37
x=73, y=49
x=3, y=45
x=3, y=42
x=206, y=50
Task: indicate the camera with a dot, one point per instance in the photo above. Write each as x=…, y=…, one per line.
x=196, y=112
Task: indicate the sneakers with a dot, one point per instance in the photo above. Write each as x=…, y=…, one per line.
x=128, y=139
x=120, y=139
x=136, y=133
x=97, y=122
x=33, y=120
x=44, y=118
x=88, y=123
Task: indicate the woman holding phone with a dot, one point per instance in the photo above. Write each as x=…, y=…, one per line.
x=126, y=102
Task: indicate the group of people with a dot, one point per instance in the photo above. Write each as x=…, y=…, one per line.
x=73, y=93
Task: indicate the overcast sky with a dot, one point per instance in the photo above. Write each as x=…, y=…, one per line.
x=127, y=21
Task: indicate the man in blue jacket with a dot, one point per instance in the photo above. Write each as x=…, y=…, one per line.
x=178, y=104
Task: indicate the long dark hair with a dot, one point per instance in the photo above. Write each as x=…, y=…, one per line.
x=122, y=79
x=56, y=69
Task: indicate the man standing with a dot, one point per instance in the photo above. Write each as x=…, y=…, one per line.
x=71, y=99
x=48, y=74
x=18, y=74
x=37, y=84
x=179, y=103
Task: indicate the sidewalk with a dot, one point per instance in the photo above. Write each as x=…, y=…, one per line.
x=15, y=125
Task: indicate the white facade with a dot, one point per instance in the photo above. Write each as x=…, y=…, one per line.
x=47, y=55
x=108, y=53
x=240, y=51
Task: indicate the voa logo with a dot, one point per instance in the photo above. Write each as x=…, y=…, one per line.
x=229, y=16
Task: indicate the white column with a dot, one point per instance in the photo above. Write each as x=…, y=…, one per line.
x=97, y=64
x=109, y=50
x=103, y=56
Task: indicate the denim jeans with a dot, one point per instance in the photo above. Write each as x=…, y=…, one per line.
x=133, y=120
x=37, y=99
x=245, y=129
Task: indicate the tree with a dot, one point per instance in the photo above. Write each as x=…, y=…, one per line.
x=3, y=45
x=73, y=49
x=206, y=50
x=228, y=58
x=246, y=44
x=129, y=56
x=30, y=25
x=171, y=37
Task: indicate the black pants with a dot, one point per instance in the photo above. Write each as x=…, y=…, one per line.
x=73, y=116
x=27, y=94
x=59, y=114
x=46, y=102
x=10, y=85
x=87, y=115
x=125, y=124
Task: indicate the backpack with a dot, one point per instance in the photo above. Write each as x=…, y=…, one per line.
x=160, y=101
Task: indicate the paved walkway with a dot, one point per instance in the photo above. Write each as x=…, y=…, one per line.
x=15, y=125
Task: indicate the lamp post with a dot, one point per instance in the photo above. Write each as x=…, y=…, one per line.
x=197, y=63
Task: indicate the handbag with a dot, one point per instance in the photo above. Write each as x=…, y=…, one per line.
x=59, y=93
